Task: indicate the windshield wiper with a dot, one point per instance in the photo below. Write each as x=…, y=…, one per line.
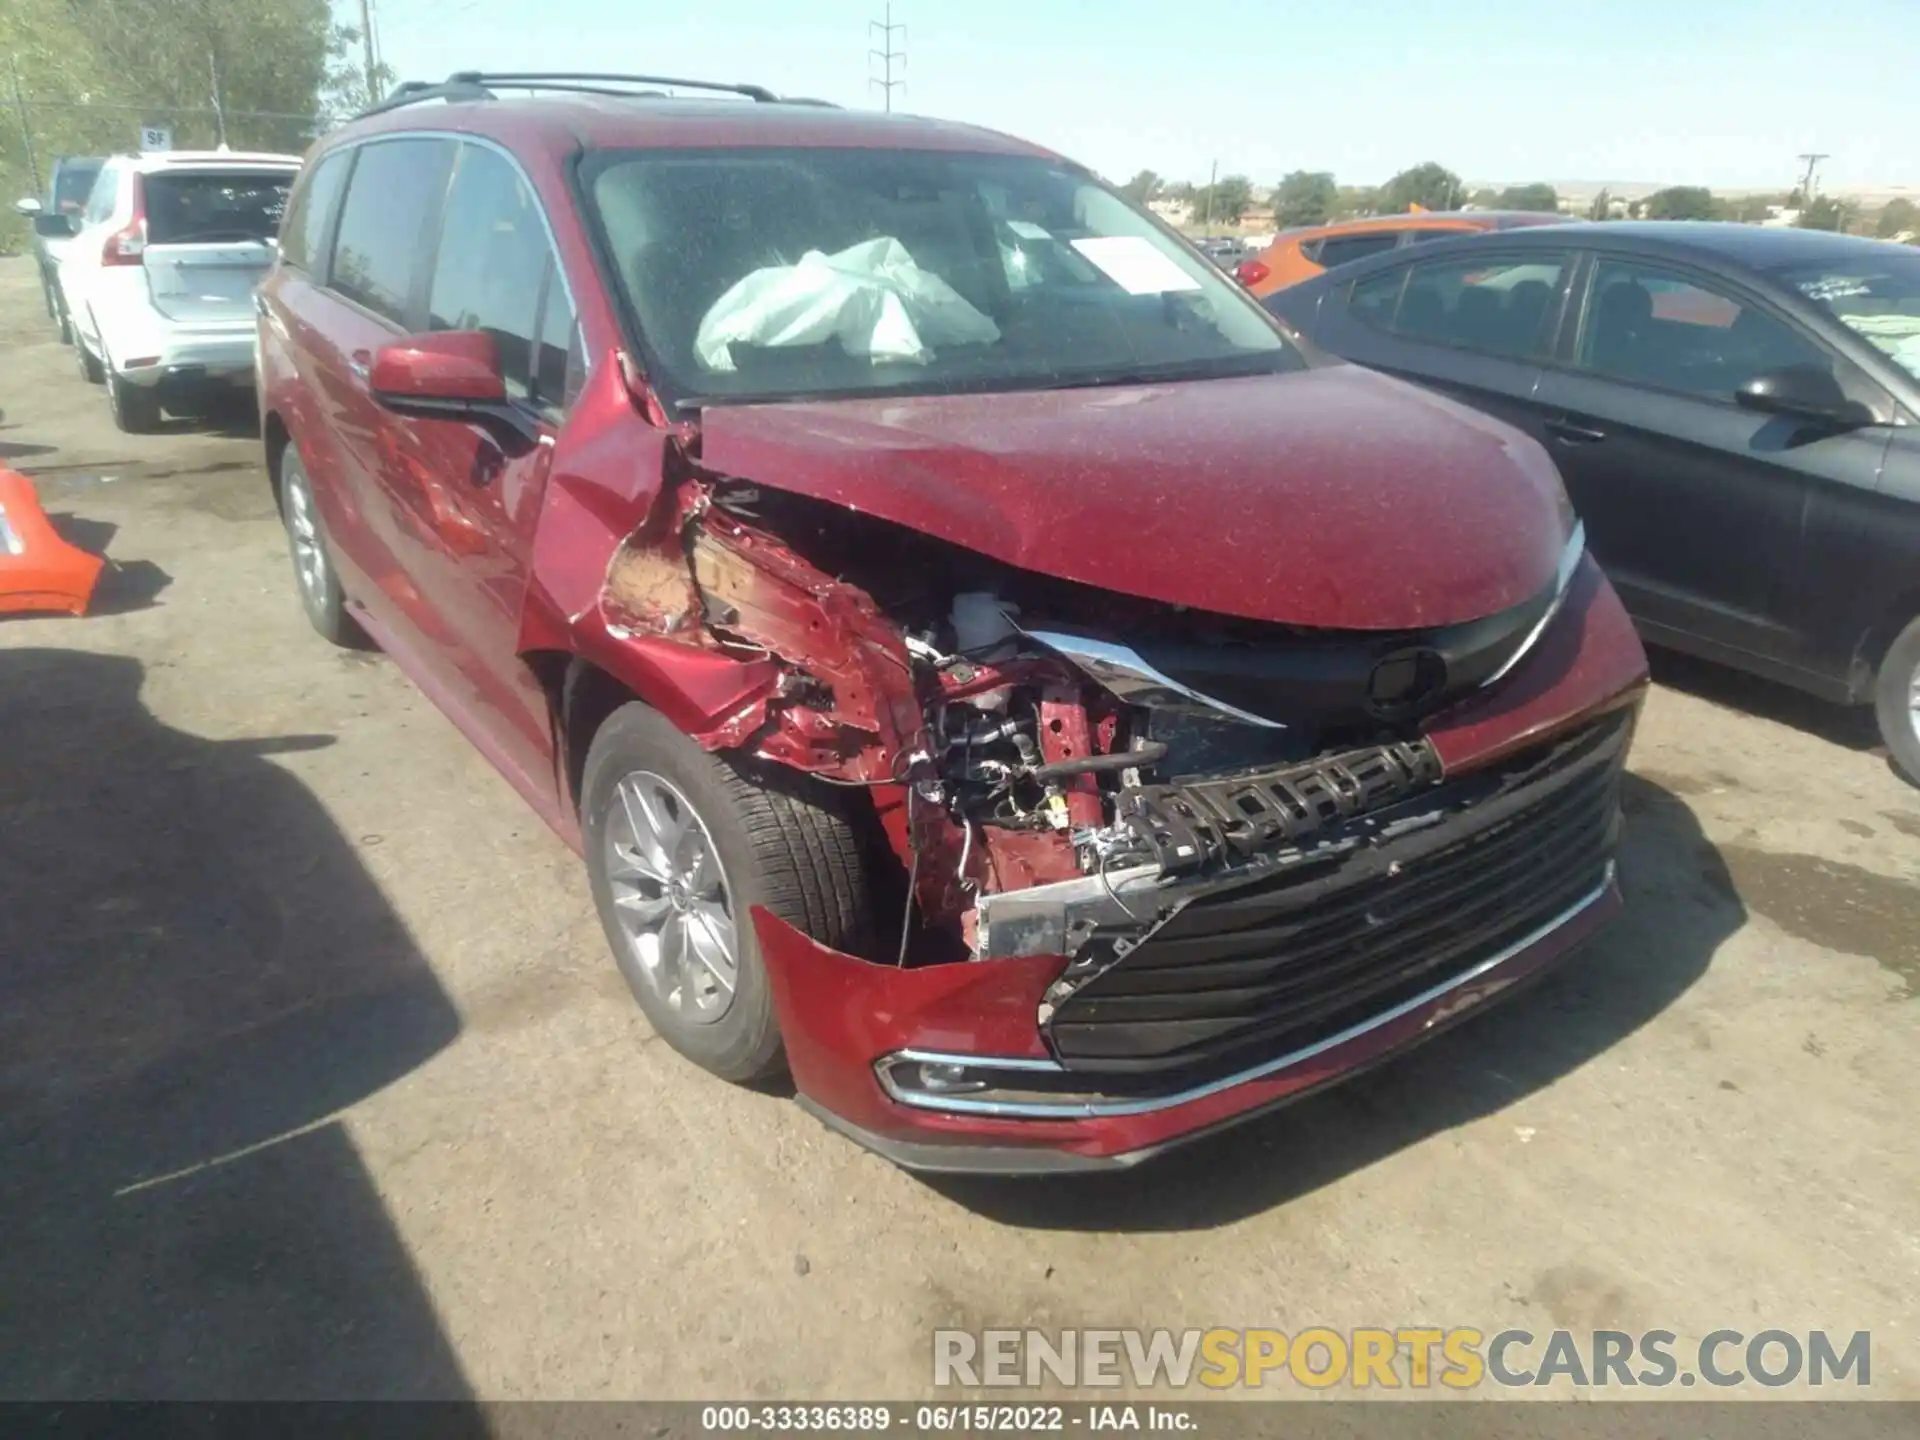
x=1222, y=367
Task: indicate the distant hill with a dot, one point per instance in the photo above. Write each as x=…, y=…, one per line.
x=1640, y=189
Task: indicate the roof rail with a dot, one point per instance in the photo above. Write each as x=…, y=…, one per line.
x=482, y=85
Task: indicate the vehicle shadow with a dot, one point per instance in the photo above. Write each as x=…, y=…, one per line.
x=124, y=585
x=1681, y=904
x=196, y=976
x=1849, y=726
x=236, y=417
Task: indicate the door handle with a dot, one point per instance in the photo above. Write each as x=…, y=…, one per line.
x=1568, y=433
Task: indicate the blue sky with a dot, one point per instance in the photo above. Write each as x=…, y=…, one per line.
x=1716, y=92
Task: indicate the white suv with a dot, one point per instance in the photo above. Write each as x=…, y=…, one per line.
x=159, y=280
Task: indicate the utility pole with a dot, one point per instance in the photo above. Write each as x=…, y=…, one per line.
x=1806, y=186
x=219, y=110
x=26, y=126
x=366, y=44
x=886, y=54
x=1206, y=204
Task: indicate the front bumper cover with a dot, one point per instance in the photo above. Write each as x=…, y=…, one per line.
x=856, y=1032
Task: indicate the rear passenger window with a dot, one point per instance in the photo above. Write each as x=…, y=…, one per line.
x=492, y=261
x=1341, y=249
x=393, y=197
x=1497, y=307
x=1374, y=298
x=304, y=232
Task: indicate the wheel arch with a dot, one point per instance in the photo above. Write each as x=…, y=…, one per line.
x=274, y=438
x=580, y=696
x=1879, y=638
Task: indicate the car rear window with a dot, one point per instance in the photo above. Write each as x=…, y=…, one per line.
x=1344, y=249
x=191, y=207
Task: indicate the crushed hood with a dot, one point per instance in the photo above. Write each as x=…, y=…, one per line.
x=1332, y=497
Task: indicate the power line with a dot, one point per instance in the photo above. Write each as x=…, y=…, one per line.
x=162, y=107
x=886, y=54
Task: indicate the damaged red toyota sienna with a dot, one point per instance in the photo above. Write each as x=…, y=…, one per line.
x=990, y=669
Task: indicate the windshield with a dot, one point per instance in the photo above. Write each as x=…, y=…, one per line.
x=73, y=184
x=187, y=209
x=1878, y=297
x=759, y=274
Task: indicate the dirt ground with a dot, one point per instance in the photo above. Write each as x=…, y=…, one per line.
x=316, y=1079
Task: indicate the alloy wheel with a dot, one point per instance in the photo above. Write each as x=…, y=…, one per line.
x=672, y=898
x=309, y=558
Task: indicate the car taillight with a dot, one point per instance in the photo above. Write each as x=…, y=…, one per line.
x=1250, y=272
x=128, y=246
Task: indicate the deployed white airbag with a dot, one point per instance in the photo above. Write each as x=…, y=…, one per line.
x=872, y=296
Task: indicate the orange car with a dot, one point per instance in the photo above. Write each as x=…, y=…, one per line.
x=1297, y=255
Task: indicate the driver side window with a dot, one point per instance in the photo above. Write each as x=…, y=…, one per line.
x=1657, y=328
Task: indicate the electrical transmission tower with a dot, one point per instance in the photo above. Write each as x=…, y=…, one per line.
x=886, y=54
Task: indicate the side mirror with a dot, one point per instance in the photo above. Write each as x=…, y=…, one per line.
x=27, y=206
x=55, y=226
x=447, y=375
x=1806, y=392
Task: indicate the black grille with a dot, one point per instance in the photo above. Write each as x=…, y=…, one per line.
x=1194, y=823
x=1279, y=962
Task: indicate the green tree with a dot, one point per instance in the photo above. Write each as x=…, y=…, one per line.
x=1430, y=186
x=1225, y=201
x=1537, y=196
x=1144, y=186
x=1826, y=213
x=1746, y=209
x=1897, y=217
x=1351, y=201
x=94, y=71
x=1680, y=202
x=1304, y=197
x=1602, y=206
x=347, y=90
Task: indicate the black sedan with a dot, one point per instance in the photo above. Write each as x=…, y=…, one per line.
x=1736, y=411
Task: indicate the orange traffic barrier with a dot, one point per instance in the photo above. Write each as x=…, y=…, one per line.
x=39, y=570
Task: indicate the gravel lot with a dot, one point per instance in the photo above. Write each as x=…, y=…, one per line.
x=316, y=1080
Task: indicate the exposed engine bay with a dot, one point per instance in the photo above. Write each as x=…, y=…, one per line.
x=1028, y=741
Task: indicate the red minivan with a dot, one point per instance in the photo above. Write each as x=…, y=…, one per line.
x=991, y=669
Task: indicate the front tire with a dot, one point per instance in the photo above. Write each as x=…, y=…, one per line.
x=314, y=576
x=1896, y=701
x=681, y=845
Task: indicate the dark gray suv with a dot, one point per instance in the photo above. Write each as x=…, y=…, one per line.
x=56, y=216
